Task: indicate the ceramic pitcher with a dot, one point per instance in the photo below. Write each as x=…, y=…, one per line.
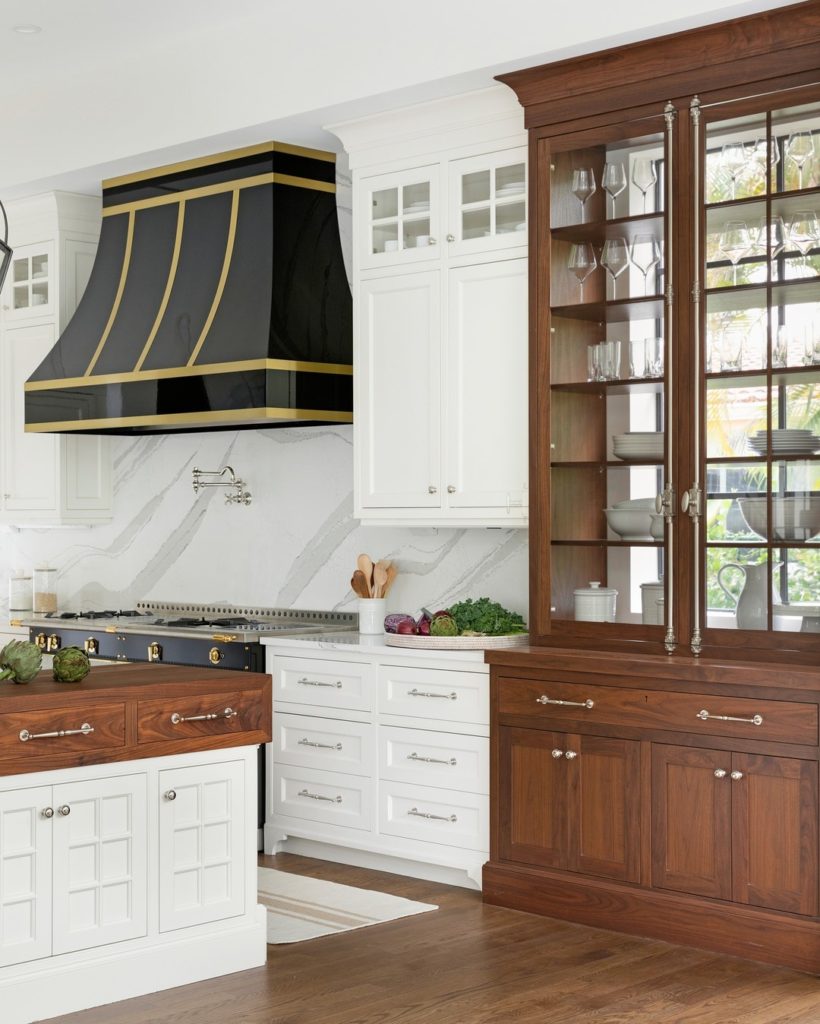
x=751, y=607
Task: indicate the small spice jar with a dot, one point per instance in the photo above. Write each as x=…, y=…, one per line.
x=45, y=590
x=595, y=603
x=19, y=592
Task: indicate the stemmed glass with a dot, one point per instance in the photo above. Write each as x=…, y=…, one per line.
x=583, y=185
x=582, y=262
x=615, y=257
x=734, y=244
x=734, y=158
x=800, y=149
x=804, y=231
x=765, y=153
x=644, y=176
x=644, y=253
x=613, y=181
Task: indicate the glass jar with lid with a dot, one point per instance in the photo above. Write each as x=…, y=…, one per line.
x=19, y=592
x=45, y=590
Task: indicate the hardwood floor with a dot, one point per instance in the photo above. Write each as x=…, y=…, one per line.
x=474, y=964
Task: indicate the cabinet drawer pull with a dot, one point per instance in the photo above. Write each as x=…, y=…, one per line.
x=704, y=716
x=432, y=817
x=84, y=730
x=176, y=718
x=432, y=760
x=720, y=773
x=318, y=796
x=557, y=753
x=544, y=699
x=570, y=755
x=735, y=776
x=317, y=682
x=426, y=693
x=322, y=746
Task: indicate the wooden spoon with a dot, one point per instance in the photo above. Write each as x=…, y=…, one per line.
x=380, y=576
x=359, y=584
x=392, y=573
x=365, y=564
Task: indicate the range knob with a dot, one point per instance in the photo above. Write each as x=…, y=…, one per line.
x=155, y=651
x=91, y=645
x=215, y=655
x=53, y=642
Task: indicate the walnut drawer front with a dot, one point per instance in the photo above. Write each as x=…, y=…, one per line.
x=70, y=730
x=698, y=713
x=210, y=714
x=330, y=684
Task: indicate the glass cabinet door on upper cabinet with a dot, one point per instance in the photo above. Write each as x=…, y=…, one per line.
x=760, y=443
x=28, y=290
x=487, y=207
x=402, y=217
x=609, y=440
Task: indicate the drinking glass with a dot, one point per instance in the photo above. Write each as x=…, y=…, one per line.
x=800, y=150
x=637, y=357
x=613, y=181
x=645, y=253
x=644, y=176
x=654, y=357
x=780, y=347
x=594, y=362
x=734, y=244
x=582, y=262
x=734, y=158
x=611, y=361
x=804, y=231
x=583, y=185
x=731, y=348
x=765, y=154
x=779, y=237
x=615, y=257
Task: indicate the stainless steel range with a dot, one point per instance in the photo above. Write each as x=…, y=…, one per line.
x=219, y=636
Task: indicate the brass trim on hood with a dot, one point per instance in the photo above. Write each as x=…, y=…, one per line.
x=169, y=284
x=223, y=277
x=128, y=376
x=225, y=417
x=219, y=158
x=126, y=262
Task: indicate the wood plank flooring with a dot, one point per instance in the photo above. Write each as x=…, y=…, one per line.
x=471, y=964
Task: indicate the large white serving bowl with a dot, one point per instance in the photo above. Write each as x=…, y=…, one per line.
x=794, y=517
x=630, y=523
x=636, y=503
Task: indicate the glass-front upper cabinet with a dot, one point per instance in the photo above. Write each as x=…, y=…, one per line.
x=609, y=443
x=488, y=202
x=760, y=422
x=402, y=222
x=28, y=288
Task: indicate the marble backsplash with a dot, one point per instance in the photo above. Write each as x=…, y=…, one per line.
x=295, y=545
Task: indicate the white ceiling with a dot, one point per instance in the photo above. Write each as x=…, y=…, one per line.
x=110, y=86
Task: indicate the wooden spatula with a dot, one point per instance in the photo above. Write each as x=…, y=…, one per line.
x=359, y=584
x=380, y=576
x=392, y=573
x=365, y=564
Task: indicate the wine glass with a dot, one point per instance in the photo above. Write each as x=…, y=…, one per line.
x=644, y=254
x=734, y=244
x=765, y=154
x=615, y=257
x=614, y=181
x=583, y=185
x=779, y=237
x=734, y=158
x=804, y=231
x=644, y=176
x=800, y=149
x=582, y=262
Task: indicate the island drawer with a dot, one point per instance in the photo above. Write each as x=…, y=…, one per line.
x=71, y=730
x=183, y=718
x=698, y=713
x=334, y=798
x=441, y=694
x=323, y=743
x=331, y=684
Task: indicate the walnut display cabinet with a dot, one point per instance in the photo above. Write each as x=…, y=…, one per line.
x=655, y=752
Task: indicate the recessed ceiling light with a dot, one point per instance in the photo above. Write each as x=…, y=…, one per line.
x=27, y=30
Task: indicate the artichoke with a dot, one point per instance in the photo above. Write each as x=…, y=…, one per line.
x=20, y=661
x=70, y=665
x=443, y=624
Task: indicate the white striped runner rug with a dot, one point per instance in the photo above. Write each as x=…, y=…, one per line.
x=304, y=908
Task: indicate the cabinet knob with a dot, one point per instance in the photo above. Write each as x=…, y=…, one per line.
x=570, y=755
x=432, y=489
x=171, y=795
x=451, y=238
x=720, y=773
x=65, y=810
x=47, y=812
x=557, y=753
x=451, y=489
x=735, y=776
x=432, y=241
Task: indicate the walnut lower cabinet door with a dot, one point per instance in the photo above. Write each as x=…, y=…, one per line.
x=571, y=802
x=740, y=827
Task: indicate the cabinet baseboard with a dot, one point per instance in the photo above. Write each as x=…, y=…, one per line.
x=749, y=932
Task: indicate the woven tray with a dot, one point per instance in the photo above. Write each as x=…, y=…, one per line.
x=455, y=643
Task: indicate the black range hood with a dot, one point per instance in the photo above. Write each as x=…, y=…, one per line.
x=218, y=298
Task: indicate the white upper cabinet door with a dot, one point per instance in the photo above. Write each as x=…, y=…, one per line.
x=485, y=407
x=398, y=393
x=100, y=862
x=201, y=844
x=30, y=287
x=487, y=207
x=25, y=875
x=400, y=217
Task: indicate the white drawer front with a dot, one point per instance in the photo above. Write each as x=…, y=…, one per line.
x=331, y=684
x=322, y=796
x=434, y=693
x=435, y=759
x=323, y=743
x=442, y=816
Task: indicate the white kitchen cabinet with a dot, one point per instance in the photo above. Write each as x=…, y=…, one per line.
x=25, y=875
x=46, y=479
x=440, y=313
x=399, y=782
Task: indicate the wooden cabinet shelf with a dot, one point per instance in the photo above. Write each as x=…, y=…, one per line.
x=638, y=308
x=597, y=232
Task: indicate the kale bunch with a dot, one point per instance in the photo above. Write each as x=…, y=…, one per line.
x=486, y=617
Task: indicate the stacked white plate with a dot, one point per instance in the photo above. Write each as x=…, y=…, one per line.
x=510, y=189
x=637, y=445
x=786, y=442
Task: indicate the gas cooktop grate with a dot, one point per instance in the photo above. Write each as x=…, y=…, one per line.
x=209, y=612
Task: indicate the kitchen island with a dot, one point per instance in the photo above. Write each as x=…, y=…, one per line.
x=127, y=828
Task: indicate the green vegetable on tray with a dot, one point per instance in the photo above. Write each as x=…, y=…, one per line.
x=20, y=661
x=70, y=665
x=484, y=617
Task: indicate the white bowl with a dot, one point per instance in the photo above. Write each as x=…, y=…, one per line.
x=636, y=503
x=794, y=518
x=657, y=527
x=630, y=523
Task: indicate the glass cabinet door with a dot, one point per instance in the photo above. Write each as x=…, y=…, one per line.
x=488, y=202
x=28, y=290
x=402, y=217
x=760, y=457
x=608, y=345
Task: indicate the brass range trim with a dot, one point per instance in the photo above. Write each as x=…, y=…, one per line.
x=112, y=316
x=240, y=366
x=218, y=158
x=223, y=277
x=225, y=638
x=227, y=417
x=169, y=284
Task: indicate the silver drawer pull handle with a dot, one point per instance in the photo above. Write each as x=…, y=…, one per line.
x=544, y=699
x=426, y=693
x=317, y=682
x=704, y=716
x=321, y=746
x=84, y=730
x=317, y=796
x=433, y=817
x=432, y=760
x=176, y=718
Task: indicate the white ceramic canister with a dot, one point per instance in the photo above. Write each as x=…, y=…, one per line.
x=371, y=615
x=595, y=603
x=651, y=594
x=19, y=591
